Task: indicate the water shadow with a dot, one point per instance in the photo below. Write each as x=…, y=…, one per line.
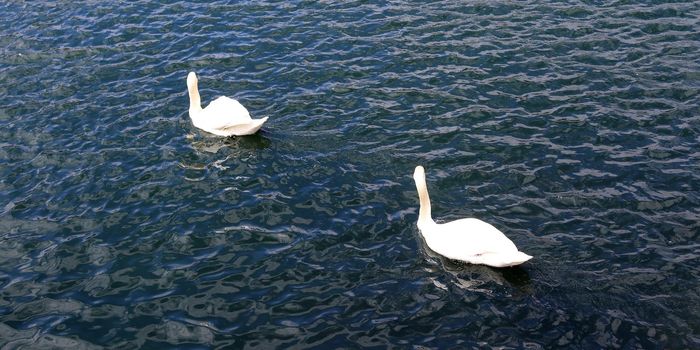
x=478, y=277
x=239, y=144
x=515, y=276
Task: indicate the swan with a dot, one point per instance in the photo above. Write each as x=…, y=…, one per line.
x=469, y=240
x=223, y=116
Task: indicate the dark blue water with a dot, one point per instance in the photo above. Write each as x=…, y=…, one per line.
x=573, y=127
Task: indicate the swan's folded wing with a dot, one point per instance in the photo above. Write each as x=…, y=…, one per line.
x=501, y=259
x=225, y=112
x=244, y=129
x=228, y=105
x=469, y=237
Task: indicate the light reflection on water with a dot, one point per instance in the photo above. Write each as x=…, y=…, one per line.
x=570, y=127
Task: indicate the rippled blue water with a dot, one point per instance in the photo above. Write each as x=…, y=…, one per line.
x=572, y=126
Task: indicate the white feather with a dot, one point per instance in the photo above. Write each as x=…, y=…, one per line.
x=223, y=116
x=470, y=240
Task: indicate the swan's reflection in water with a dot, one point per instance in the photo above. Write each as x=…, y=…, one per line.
x=477, y=278
x=214, y=152
x=237, y=144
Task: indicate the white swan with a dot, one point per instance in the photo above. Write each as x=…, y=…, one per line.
x=470, y=240
x=223, y=116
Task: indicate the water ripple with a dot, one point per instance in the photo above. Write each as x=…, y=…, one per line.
x=572, y=127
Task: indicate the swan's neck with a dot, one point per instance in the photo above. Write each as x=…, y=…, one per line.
x=195, y=101
x=424, y=215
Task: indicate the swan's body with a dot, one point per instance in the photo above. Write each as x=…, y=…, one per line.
x=223, y=116
x=470, y=240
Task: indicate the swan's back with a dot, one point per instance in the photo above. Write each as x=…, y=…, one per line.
x=221, y=115
x=227, y=108
x=474, y=241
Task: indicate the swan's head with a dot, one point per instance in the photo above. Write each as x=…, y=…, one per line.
x=419, y=174
x=195, y=100
x=191, y=79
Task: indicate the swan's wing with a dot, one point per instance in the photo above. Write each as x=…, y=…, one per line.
x=227, y=105
x=472, y=237
x=474, y=241
x=244, y=129
x=226, y=117
x=224, y=112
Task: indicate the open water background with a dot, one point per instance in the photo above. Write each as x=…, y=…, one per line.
x=574, y=127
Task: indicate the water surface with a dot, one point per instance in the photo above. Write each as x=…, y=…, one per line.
x=572, y=127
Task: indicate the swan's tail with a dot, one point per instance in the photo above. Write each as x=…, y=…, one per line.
x=246, y=129
x=504, y=259
x=517, y=259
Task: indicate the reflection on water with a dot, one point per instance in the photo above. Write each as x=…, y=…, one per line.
x=479, y=278
x=237, y=145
